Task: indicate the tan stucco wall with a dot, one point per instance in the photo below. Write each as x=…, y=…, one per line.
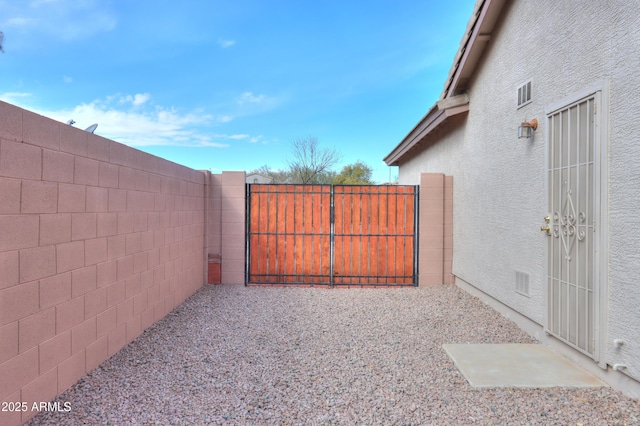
x=499, y=194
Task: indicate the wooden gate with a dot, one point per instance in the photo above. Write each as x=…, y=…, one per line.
x=332, y=235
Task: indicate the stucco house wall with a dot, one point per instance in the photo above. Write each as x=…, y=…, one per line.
x=257, y=178
x=500, y=186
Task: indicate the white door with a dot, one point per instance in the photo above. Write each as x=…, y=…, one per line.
x=573, y=192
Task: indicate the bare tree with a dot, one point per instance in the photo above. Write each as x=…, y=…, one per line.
x=310, y=163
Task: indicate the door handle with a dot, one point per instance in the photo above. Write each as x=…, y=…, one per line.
x=546, y=227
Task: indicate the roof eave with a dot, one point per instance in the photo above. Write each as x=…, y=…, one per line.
x=478, y=34
x=434, y=118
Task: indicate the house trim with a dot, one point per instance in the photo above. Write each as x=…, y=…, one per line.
x=429, y=122
x=477, y=36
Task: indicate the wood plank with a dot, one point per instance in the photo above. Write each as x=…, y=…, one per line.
x=409, y=230
x=316, y=241
x=400, y=239
x=289, y=226
x=297, y=257
x=383, y=256
x=253, y=239
x=366, y=238
x=279, y=242
x=374, y=239
x=316, y=245
x=254, y=266
x=355, y=258
x=309, y=232
x=326, y=229
x=341, y=220
x=263, y=248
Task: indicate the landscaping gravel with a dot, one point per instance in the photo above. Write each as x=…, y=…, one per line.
x=248, y=355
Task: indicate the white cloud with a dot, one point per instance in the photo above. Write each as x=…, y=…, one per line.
x=249, y=97
x=141, y=98
x=13, y=97
x=141, y=128
x=61, y=19
x=19, y=22
x=226, y=43
x=251, y=139
x=67, y=79
x=37, y=3
x=224, y=119
x=249, y=103
x=134, y=123
x=136, y=100
x=238, y=137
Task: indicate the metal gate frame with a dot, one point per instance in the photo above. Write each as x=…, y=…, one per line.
x=327, y=240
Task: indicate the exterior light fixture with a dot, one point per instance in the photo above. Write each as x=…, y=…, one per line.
x=526, y=129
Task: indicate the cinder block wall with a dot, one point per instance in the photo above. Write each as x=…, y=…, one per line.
x=435, y=250
x=448, y=277
x=226, y=227
x=97, y=242
x=232, y=218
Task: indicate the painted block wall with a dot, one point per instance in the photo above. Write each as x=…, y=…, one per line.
x=97, y=242
x=232, y=219
x=226, y=223
x=435, y=229
x=500, y=180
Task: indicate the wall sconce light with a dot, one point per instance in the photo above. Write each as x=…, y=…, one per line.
x=526, y=129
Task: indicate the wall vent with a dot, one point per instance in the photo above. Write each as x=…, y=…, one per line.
x=522, y=283
x=524, y=94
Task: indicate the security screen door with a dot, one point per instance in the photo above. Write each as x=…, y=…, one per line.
x=572, y=197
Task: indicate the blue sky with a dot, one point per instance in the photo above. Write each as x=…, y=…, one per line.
x=228, y=84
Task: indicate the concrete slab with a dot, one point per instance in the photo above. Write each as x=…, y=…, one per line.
x=517, y=365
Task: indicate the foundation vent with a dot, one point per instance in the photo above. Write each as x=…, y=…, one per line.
x=522, y=283
x=524, y=94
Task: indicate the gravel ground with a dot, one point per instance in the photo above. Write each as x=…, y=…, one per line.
x=237, y=355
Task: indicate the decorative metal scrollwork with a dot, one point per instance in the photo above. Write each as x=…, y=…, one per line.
x=582, y=218
x=565, y=225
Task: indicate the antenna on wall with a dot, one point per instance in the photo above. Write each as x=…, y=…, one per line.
x=91, y=128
